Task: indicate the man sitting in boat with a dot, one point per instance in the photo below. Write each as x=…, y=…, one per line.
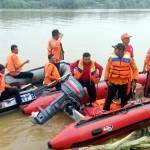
x=6, y=91
x=55, y=47
x=51, y=72
x=120, y=70
x=88, y=73
x=147, y=68
x=14, y=65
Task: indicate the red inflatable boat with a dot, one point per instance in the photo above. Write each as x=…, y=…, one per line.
x=41, y=102
x=103, y=127
x=44, y=101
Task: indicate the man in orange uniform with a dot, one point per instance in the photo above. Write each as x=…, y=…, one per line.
x=118, y=72
x=125, y=37
x=6, y=91
x=147, y=68
x=88, y=73
x=147, y=62
x=51, y=72
x=55, y=47
x=14, y=65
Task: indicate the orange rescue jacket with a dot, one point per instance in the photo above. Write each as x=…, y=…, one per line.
x=121, y=70
x=13, y=64
x=3, y=85
x=54, y=47
x=50, y=73
x=147, y=60
x=93, y=72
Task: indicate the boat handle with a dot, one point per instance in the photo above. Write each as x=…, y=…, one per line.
x=97, y=131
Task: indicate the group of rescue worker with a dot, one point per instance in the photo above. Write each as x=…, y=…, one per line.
x=121, y=72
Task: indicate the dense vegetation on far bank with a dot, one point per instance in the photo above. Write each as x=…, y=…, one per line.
x=73, y=4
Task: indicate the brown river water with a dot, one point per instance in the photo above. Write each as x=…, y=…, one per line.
x=18, y=133
x=84, y=30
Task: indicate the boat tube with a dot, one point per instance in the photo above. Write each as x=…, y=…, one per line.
x=10, y=104
x=101, y=90
x=38, y=76
x=91, y=131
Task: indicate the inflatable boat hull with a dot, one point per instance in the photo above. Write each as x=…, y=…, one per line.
x=41, y=102
x=38, y=75
x=99, y=129
x=11, y=104
x=101, y=90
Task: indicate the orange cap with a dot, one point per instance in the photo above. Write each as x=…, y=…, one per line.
x=125, y=35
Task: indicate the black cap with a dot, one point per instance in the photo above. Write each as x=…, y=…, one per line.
x=119, y=46
x=1, y=67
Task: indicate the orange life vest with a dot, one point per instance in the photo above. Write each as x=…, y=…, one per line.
x=54, y=48
x=147, y=60
x=93, y=71
x=50, y=73
x=12, y=63
x=120, y=67
x=100, y=104
x=2, y=83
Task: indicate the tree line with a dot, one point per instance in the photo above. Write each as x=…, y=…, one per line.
x=75, y=4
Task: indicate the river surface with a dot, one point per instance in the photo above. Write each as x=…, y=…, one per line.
x=94, y=31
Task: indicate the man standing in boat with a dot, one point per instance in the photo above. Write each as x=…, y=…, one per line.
x=15, y=66
x=6, y=91
x=121, y=72
x=88, y=73
x=147, y=68
x=55, y=47
x=51, y=72
x=125, y=37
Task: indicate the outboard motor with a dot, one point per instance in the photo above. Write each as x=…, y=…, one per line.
x=72, y=93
